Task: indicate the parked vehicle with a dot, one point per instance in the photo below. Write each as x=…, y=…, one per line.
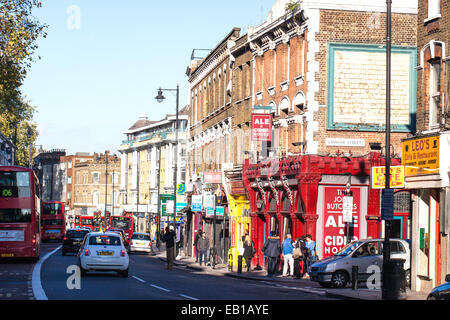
x=367, y=254
x=72, y=240
x=140, y=242
x=441, y=292
x=103, y=251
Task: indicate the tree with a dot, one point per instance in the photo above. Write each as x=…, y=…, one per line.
x=19, y=31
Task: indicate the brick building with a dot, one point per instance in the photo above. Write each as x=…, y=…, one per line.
x=426, y=154
x=96, y=185
x=321, y=70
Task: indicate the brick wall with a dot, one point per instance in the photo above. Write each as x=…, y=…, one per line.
x=353, y=27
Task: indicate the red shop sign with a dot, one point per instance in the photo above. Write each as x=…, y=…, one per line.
x=212, y=177
x=261, y=127
x=334, y=237
x=233, y=231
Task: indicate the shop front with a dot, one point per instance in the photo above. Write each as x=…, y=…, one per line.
x=304, y=195
x=426, y=160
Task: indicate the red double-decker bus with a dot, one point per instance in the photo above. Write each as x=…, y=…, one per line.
x=125, y=223
x=20, y=207
x=53, y=220
x=84, y=221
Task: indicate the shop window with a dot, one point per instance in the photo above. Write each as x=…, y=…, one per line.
x=402, y=201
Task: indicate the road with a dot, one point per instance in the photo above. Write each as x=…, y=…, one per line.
x=148, y=280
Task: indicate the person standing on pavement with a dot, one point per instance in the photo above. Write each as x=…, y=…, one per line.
x=203, y=247
x=169, y=240
x=298, y=257
x=288, y=250
x=272, y=250
x=249, y=251
x=198, y=235
x=311, y=253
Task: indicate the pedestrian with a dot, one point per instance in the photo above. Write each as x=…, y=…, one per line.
x=288, y=250
x=169, y=240
x=203, y=247
x=272, y=250
x=298, y=258
x=249, y=251
x=311, y=253
x=198, y=235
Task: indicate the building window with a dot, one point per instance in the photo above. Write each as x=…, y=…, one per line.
x=95, y=197
x=95, y=178
x=434, y=9
x=435, y=91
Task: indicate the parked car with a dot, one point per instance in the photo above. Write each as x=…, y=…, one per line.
x=103, y=251
x=140, y=242
x=441, y=292
x=336, y=270
x=72, y=240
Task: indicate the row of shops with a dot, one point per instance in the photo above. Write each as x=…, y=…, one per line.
x=303, y=195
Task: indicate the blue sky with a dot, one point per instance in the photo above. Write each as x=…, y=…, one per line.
x=101, y=68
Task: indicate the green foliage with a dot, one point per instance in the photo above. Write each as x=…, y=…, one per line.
x=19, y=31
x=293, y=6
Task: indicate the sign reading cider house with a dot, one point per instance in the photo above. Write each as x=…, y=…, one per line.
x=421, y=156
x=334, y=227
x=261, y=127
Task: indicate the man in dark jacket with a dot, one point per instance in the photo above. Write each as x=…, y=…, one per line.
x=169, y=240
x=272, y=250
x=202, y=247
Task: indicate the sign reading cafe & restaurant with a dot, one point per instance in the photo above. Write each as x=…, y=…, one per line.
x=421, y=156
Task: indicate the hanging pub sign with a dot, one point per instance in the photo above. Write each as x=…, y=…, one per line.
x=261, y=127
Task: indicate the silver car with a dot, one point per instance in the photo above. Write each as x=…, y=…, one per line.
x=141, y=242
x=367, y=254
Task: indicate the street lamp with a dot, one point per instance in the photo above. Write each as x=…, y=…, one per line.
x=392, y=285
x=160, y=98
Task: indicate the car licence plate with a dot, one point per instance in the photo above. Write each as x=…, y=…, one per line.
x=140, y=243
x=105, y=253
x=7, y=255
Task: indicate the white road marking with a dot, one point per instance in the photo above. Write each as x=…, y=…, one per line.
x=188, y=297
x=138, y=279
x=38, y=292
x=160, y=288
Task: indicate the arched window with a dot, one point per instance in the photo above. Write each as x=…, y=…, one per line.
x=299, y=100
x=285, y=105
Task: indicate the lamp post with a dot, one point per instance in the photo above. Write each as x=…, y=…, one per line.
x=160, y=98
x=392, y=269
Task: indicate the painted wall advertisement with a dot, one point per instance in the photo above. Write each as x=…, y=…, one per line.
x=334, y=230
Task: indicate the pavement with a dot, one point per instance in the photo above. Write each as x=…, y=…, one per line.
x=362, y=293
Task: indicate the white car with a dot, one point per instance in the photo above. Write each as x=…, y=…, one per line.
x=140, y=242
x=103, y=251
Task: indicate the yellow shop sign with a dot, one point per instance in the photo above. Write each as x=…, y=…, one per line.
x=421, y=156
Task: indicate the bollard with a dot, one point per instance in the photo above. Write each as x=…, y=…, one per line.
x=394, y=281
x=240, y=264
x=354, y=277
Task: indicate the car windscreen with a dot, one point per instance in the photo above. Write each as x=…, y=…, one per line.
x=104, y=240
x=79, y=234
x=349, y=248
x=140, y=237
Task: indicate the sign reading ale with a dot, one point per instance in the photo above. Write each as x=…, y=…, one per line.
x=261, y=127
